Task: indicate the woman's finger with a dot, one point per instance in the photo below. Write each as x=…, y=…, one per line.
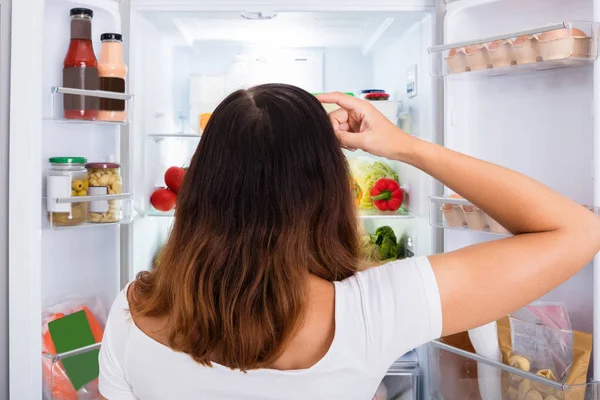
x=343, y=100
x=350, y=140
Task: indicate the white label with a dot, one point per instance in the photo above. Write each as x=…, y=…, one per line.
x=98, y=206
x=58, y=187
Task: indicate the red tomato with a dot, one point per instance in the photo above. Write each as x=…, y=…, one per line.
x=174, y=178
x=163, y=199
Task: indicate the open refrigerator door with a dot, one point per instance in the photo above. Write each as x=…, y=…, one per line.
x=518, y=82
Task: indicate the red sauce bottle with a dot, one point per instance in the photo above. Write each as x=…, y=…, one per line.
x=80, y=69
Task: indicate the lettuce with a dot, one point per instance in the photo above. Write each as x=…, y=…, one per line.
x=366, y=174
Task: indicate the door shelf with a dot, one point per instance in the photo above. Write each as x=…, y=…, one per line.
x=565, y=44
x=56, y=113
x=362, y=215
x=459, y=374
x=75, y=212
x=459, y=214
x=56, y=382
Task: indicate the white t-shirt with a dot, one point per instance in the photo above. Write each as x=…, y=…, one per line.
x=380, y=314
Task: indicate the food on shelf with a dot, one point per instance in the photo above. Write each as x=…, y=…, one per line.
x=377, y=96
x=73, y=376
x=519, y=362
x=174, y=178
x=475, y=218
x=357, y=192
x=104, y=179
x=163, y=199
x=453, y=213
x=457, y=60
x=385, y=239
x=112, y=71
x=560, y=44
x=500, y=52
x=204, y=121
x=526, y=49
x=80, y=68
x=386, y=195
x=364, y=92
x=366, y=174
x=478, y=57
x=66, y=177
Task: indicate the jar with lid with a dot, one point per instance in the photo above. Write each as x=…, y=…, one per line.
x=104, y=179
x=66, y=177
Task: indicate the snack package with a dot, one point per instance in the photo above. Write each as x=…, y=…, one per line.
x=58, y=379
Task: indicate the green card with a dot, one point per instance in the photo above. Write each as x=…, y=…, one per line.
x=73, y=332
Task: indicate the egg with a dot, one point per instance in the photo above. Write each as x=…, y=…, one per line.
x=494, y=45
x=561, y=44
x=470, y=50
x=520, y=41
x=560, y=34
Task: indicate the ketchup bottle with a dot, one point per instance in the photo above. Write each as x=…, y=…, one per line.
x=80, y=69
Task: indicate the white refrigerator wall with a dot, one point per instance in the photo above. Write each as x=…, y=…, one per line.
x=539, y=124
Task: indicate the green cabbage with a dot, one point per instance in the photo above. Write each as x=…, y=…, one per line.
x=366, y=174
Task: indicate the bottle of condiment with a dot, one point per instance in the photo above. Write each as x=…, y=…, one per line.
x=112, y=71
x=80, y=69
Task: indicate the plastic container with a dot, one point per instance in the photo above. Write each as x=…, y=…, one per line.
x=526, y=49
x=561, y=44
x=362, y=93
x=475, y=218
x=66, y=177
x=104, y=179
x=377, y=96
x=478, y=57
x=112, y=71
x=500, y=53
x=80, y=68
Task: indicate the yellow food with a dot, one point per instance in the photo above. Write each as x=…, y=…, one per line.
x=512, y=393
x=77, y=185
x=82, y=193
x=73, y=193
x=519, y=362
x=524, y=388
x=533, y=395
x=545, y=389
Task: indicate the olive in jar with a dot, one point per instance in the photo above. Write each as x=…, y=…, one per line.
x=66, y=177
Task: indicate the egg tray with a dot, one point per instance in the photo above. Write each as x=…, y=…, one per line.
x=458, y=213
x=567, y=43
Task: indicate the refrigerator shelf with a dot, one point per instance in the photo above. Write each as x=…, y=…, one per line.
x=157, y=137
x=56, y=114
x=56, y=382
x=554, y=46
x=456, y=373
x=460, y=214
x=75, y=212
x=362, y=215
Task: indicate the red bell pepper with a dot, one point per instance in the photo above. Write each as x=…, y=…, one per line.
x=387, y=195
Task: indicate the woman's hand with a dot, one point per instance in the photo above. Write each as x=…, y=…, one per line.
x=359, y=125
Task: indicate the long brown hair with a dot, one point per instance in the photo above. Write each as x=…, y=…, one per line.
x=265, y=202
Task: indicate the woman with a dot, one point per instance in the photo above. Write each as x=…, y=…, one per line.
x=256, y=294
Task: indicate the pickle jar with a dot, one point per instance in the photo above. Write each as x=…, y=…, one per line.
x=66, y=177
x=104, y=179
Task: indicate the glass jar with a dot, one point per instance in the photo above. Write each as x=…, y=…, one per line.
x=66, y=177
x=104, y=179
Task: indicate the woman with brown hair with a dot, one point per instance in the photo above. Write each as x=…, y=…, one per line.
x=256, y=294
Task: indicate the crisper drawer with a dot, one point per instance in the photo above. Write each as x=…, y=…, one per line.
x=458, y=374
x=402, y=379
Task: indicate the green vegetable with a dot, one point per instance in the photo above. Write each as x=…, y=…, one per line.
x=369, y=249
x=366, y=174
x=385, y=239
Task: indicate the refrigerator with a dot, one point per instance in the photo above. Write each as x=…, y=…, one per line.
x=538, y=117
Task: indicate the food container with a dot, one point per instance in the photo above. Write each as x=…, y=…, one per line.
x=454, y=215
x=526, y=49
x=475, y=218
x=66, y=177
x=560, y=44
x=457, y=61
x=495, y=226
x=501, y=53
x=363, y=93
x=104, y=179
x=377, y=96
x=478, y=57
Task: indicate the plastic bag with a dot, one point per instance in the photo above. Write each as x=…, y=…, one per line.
x=56, y=383
x=551, y=314
x=544, y=347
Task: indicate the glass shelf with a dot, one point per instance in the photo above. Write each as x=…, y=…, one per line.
x=56, y=113
x=56, y=382
x=459, y=214
x=157, y=137
x=76, y=212
x=459, y=374
x=362, y=215
x=565, y=44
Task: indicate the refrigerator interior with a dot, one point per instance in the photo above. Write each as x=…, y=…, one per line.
x=195, y=59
